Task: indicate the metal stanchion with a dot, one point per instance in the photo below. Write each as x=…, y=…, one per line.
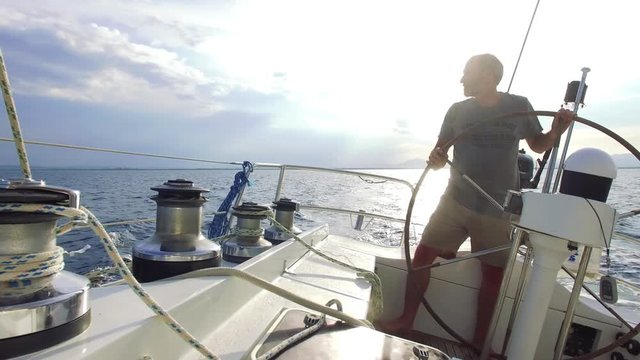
x=506, y=277
x=573, y=300
x=526, y=263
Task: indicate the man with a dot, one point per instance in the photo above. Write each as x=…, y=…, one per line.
x=487, y=154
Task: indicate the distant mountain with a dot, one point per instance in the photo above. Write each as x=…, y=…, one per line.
x=625, y=160
x=413, y=164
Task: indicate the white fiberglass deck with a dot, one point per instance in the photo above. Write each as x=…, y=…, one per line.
x=226, y=314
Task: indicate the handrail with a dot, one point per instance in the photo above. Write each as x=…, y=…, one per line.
x=629, y=214
x=281, y=180
x=285, y=167
x=352, y=212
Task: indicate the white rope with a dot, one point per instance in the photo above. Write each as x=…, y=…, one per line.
x=68, y=226
x=256, y=213
x=30, y=266
x=376, y=307
x=294, y=339
x=13, y=119
x=310, y=330
x=375, y=310
x=223, y=271
x=275, y=351
x=245, y=232
x=26, y=274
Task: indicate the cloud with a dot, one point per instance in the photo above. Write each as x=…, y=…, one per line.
x=113, y=86
x=162, y=77
x=402, y=128
x=111, y=42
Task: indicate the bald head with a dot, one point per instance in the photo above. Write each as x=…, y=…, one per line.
x=481, y=76
x=488, y=63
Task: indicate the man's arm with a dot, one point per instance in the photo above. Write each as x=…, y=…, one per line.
x=544, y=141
x=438, y=156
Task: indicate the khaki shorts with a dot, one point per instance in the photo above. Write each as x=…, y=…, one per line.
x=451, y=224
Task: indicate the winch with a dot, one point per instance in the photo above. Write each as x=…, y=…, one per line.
x=247, y=241
x=40, y=304
x=177, y=246
x=285, y=209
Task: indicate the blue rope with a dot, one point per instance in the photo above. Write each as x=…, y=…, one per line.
x=220, y=222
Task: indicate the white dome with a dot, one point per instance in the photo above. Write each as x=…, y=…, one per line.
x=592, y=161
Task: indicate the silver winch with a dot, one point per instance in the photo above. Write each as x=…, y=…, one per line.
x=284, y=209
x=37, y=310
x=177, y=246
x=247, y=241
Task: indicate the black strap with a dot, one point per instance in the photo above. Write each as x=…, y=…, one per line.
x=541, y=164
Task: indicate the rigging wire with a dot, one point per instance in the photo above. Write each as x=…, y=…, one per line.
x=526, y=36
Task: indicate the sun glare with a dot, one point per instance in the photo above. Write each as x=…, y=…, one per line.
x=382, y=69
x=356, y=67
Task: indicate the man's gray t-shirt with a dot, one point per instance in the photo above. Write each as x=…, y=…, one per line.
x=488, y=153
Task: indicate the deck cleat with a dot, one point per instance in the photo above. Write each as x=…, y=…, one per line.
x=46, y=306
x=311, y=319
x=177, y=246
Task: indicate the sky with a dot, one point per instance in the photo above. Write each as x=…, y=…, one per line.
x=324, y=83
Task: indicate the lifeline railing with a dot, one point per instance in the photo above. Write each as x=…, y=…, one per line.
x=281, y=181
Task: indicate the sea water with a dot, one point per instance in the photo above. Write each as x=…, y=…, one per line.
x=117, y=195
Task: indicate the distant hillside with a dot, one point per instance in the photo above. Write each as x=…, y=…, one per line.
x=625, y=160
x=413, y=164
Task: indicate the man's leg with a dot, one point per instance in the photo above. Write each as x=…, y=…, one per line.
x=417, y=283
x=442, y=237
x=487, y=296
x=488, y=232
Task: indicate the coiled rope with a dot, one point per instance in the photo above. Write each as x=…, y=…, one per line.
x=18, y=267
x=220, y=221
x=19, y=273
